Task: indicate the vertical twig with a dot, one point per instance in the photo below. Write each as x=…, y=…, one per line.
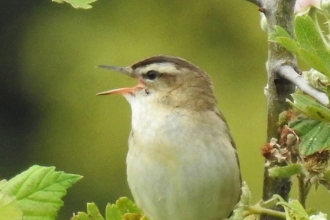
x=277, y=12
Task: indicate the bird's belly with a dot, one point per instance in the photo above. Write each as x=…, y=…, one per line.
x=196, y=185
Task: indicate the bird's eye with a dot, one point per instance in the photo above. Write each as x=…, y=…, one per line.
x=152, y=75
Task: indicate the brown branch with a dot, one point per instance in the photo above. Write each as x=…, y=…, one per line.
x=279, y=12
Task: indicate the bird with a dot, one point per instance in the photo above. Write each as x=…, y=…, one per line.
x=182, y=162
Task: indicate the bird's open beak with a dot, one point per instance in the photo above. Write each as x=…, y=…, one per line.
x=127, y=71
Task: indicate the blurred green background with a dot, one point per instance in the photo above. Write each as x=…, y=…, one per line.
x=49, y=114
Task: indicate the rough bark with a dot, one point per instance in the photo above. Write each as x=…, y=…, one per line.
x=277, y=12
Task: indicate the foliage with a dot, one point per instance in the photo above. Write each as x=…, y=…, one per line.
x=8, y=208
x=123, y=209
x=304, y=130
x=308, y=43
x=34, y=194
x=293, y=208
x=83, y=4
x=314, y=129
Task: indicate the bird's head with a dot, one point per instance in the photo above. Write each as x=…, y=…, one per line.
x=168, y=80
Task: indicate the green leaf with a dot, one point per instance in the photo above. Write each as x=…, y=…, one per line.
x=83, y=4
x=39, y=191
x=293, y=209
x=8, y=208
x=286, y=171
x=127, y=206
x=311, y=42
x=313, y=131
x=132, y=216
x=314, y=135
x=310, y=107
x=93, y=213
x=112, y=212
x=123, y=209
x=313, y=60
x=282, y=37
x=289, y=44
x=281, y=32
x=318, y=112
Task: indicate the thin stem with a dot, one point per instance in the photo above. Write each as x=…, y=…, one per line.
x=260, y=210
x=303, y=190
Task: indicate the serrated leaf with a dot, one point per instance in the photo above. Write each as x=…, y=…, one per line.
x=313, y=131
x=81, y=216
x=8, y=208
x=39, y=191
x=83, y=4
x=314, y=135
x=123, y=209
x=308, y=43
x=93, y=213
x=286, y=171
x=310, y=107
x=309, y=38
x=313, y=60
x=293, y=209
x=127, y=206
x=112, y=212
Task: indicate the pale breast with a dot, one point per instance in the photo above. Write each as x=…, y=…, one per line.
x=181, y=164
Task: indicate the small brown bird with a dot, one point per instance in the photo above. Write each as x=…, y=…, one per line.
x=182, y=162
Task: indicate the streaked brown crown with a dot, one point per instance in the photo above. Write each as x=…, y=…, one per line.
x=179, y=62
